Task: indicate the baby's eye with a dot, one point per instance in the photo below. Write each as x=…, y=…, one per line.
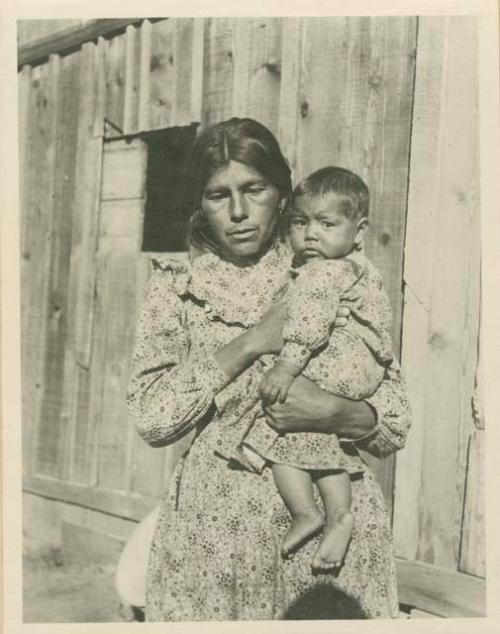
x=328, y=224
x=298, y=221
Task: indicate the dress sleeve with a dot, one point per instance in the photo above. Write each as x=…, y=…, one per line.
x=392, y=408
x=169, y=391
x=313, y=301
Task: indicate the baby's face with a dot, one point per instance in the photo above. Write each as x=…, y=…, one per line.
x=319, y=228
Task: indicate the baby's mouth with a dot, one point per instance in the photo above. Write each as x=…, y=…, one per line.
x=309, y=254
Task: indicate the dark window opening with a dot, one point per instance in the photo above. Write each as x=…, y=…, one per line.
x=165, y=217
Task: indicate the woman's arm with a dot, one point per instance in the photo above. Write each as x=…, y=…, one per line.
x=309, y=408
x=379, y=425
x=170, y=392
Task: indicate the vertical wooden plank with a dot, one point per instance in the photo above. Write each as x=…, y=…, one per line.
x=257, y=70
x=218, y=70
x=116, y=51
x=442, y=276
x=162, y=80
x=65, y=149
x=82, y=265
x=144, y=76
x=34, y=233
x=46, y=116
x=131, y=90
x=197, y=61
x=182, y=70
x=25, y=169
x=292, y=46
x=473, y=547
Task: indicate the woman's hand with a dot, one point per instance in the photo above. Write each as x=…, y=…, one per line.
x=268, y=333
x=307, y=408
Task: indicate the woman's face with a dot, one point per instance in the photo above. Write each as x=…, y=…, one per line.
x=241, y=208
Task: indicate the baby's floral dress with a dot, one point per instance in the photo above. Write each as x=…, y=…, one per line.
x=348, y=362
x=216, y=550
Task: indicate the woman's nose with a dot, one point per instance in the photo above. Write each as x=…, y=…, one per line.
x=238, y=210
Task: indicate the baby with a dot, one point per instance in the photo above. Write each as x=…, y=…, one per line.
x=327, y=219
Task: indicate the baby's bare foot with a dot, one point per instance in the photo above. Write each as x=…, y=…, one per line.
x=333, y=546
x=304, y=525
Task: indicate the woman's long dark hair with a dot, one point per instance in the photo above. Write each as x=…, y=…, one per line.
x=242, y=140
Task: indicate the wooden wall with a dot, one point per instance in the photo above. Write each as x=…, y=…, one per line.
x=391, y=98
x=439, y=505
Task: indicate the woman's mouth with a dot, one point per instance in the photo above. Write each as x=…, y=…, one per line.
x=243, y=234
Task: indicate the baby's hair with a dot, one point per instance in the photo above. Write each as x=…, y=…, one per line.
x=337, y=180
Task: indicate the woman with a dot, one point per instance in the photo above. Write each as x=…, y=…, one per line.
x=216, y=549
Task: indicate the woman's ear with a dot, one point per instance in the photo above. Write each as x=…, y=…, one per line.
x=360, y=233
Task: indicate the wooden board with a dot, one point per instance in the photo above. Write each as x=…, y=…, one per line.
x=291, y=67
x=197, y=63
x=440, y=591
x=257, y=70
x=65, y=150
x=440, y=329
x=111, y=502
x=132, y=72
x=162, y=77
x=218, y=70
x=116, y=56
x=46, y=116
x=473, y=543
x=25, y=167
x=182, y=70
x=82, y=265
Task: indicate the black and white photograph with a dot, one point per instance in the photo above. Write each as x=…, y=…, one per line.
x=213, y=208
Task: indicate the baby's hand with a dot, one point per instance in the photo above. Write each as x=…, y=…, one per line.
x=277, y=381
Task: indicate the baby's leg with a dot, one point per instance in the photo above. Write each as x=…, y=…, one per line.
x=296, y=489
x=335, y=490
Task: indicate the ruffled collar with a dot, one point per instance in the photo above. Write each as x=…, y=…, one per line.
x=231, y=293
x=239, y=294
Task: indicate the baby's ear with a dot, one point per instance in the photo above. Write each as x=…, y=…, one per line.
x=360, y=233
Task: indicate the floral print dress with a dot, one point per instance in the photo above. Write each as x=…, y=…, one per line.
x=216, y=550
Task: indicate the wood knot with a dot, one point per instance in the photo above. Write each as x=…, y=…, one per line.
x=374, y=80
x=385, y=237
x=437, y=341
x=155, y=62
x=274, y=68
x=304, y=109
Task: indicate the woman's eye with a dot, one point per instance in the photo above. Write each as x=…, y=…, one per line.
x=215, y=196
x=255, y=189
